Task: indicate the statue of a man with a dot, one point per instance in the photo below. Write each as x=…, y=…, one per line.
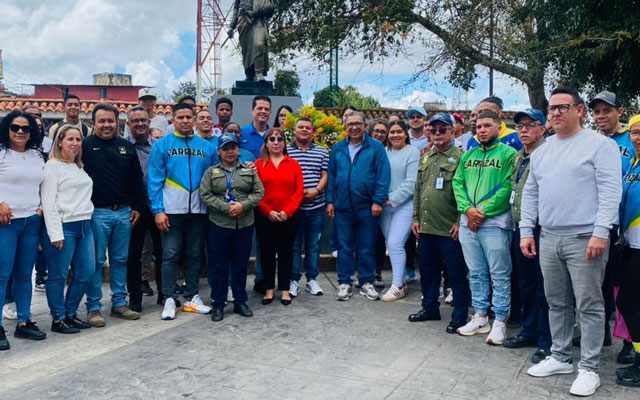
x=251, y=17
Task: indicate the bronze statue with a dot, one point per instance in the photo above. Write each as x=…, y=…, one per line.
x=251, y=17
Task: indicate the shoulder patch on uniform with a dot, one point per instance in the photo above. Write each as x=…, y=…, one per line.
x=452, y=160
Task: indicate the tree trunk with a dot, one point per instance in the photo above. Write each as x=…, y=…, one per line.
x=535, y=87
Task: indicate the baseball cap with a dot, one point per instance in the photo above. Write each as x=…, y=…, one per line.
x=532, y=113
x=459, y=117
x=226, y=139
x=146, y=92
x=634, y=120
x=441, y=117
x=419, y=110
x=606, y=96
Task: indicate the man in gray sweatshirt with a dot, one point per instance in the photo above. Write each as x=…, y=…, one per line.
x=574, y=190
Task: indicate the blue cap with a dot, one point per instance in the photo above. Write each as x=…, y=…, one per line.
x=532, y=113
x=226, y=139
x=441, y=117
x=419, y=110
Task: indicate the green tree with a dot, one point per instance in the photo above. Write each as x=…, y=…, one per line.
x=326, y=97
x=533, y=41
x=287, y=83
x=342, y=97
x=184, y=89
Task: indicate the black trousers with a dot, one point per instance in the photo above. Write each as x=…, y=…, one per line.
x=145, y=224
x=276, y=238
x=629, y=296
x=610, y=278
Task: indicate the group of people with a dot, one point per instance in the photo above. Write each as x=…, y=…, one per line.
x=531, y=226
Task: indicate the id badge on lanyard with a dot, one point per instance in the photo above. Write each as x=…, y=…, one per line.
x=228, y=196
x=440, y=180
x=512, y=199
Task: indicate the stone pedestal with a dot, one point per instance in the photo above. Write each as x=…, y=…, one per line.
x=253, y=88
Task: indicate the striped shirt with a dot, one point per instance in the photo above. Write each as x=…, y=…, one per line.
x=313, y=161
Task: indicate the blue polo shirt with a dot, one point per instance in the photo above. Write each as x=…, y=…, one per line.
x=251, y=139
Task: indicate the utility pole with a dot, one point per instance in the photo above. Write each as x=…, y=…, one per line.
x=211, y=20
x=333, y=68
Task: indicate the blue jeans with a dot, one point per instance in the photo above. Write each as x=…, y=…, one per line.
x=311, y=225
x=535, y=310
x=435, y=252
x=112, y=231
x=229, y=251
x=186, y=236
x=41, y=261
x=489, y=260
x=79, y=248
x=396, y=227
x=356, y=231
x=18, y=251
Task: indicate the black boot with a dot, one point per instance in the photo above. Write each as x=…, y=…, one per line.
x=629, y=376
x=627, y=355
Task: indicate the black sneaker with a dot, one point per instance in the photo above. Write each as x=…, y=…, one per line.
x=76, y=322
x=4, y=343
x=627, y=355
x=146, y=289
x=179, y=289
x=137, y=307
x=540, y=354
x=63, y=327
x=29, y=331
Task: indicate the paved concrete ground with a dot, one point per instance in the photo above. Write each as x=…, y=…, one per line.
x=317, y=348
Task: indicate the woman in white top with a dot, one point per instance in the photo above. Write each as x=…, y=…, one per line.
x=66, y=201
x=397, y=215
x=21, y=171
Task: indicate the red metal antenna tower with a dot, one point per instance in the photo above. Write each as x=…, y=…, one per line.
x=211, y=21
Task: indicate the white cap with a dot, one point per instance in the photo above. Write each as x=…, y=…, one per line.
x=146, y=92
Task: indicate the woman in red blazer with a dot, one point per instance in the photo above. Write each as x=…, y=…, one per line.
x=276, y=220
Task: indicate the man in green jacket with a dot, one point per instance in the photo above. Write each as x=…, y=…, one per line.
x=482, y=187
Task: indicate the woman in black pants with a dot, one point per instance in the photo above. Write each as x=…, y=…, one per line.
x=629, y=295
x=276, y=222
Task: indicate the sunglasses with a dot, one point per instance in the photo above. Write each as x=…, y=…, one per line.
x=439, y=131
x=17, y=128
x=278, y=139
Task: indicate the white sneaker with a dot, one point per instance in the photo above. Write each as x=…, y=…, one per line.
x=449, y=298
x=476, y=325
x=550, y=366
x=169, y=310
x=369, y=292
x=9, y=311
x=196, y=305
x=230, y=298
x=313, y=287
x=394, y=293
x=334, y=254
x=498, y=333
x=345, y=291
x=294, y=288
x=585, y=384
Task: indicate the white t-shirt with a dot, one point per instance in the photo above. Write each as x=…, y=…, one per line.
x=20, y=178
x=66, y=196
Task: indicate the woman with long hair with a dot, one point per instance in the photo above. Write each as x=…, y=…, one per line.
x=281, y=115
x=21, y=172
x=379, y=130
x=397, y=215
x=66, y=201
x=276, y=220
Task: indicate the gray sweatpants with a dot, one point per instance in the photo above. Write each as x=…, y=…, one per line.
x=573, y=283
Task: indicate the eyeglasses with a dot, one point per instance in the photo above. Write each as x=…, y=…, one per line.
x=530, y=125
x=380, y=131
x=17, y=128
x=439, y=131
x=635, y=132
x=278, y=139
x=562, y=108
x=354, y=124
x=139, y=121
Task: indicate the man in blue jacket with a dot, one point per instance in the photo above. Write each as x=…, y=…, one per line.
x=176, y=166
x=359, y=175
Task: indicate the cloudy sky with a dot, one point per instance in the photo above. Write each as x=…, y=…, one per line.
x=67, y=41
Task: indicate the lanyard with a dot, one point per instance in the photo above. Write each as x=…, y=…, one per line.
x=230, y=178
x=522, y=166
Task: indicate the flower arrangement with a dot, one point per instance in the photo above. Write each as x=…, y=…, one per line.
x=327, y=129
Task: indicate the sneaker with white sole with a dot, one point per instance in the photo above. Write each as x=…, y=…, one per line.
x=498, y=333
x=585, y=384
x=449, y=298
x=230, y=298
x=345, y=291
x=9, y=311
x=169, y=310
x=196, y=305
x=476, y=325
x=294, y=288
x=550, y=366
x=394, y=293
x=369, y=292
x=313, y=287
